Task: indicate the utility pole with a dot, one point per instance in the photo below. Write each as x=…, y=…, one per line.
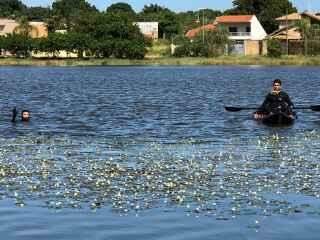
x=198, y=18
x=306, y=45
x=287, y=37
x=203, y=25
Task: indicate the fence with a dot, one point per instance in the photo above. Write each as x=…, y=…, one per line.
x=309, y=47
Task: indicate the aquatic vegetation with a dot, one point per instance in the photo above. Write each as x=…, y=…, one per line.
x=270, y=175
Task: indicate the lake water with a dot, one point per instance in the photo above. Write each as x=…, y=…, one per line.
x=149, y=152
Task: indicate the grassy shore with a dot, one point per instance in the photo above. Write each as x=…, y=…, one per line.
x=165, y=61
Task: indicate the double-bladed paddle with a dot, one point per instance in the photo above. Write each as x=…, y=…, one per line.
x=315, y=108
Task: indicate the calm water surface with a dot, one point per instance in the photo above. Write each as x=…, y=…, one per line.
x=149, y=152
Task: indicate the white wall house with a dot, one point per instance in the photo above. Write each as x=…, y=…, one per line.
x=247, y=33
x=149, y=29
x=242, y=27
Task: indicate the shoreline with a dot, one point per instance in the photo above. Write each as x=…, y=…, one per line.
x=167, y=61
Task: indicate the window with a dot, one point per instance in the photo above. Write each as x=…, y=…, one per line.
x=2, y=27
x=248, y=29
x=233, y=29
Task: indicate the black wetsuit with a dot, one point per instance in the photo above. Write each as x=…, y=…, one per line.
x=280, y=102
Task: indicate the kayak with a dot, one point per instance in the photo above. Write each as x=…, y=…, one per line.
x=277, y=119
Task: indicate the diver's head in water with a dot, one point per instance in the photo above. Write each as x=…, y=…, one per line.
x=25, y=116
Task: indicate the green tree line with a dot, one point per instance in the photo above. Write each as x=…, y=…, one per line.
x=86, y=31
x=65, y=13
x=111, y=32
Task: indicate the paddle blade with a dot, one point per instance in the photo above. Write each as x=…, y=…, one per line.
x=233, y=109
x=315, y=108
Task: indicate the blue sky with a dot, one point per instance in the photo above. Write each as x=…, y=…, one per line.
x=178, y=5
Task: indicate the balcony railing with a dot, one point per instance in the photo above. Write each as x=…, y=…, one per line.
x=240, y=34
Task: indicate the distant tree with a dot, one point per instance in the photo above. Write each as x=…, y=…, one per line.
x=123, y=9
x=111, y=34
x=211, y=44
x=3, y=44
x=265, y=10
x=313, y=42
x=168, y=20
x=189, y=20
x=115, y=26
x=103, y=48
x=54, y=43
x=24, y=27
x=180, y=40
x=78, y=43
x=153, y=9
x=183, y=44
x=38, y=13
x=88, y=31
x=12, y=8
x=18, y=45
x=66, y=12
x=274, y=48
x=85, y=22
x=310, y=34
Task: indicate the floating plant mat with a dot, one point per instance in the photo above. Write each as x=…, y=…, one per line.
x=262, y=176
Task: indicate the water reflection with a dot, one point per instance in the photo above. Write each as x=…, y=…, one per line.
x=264, y=178
x=144, y=140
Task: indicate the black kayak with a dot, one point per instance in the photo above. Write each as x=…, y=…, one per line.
x=278, y=119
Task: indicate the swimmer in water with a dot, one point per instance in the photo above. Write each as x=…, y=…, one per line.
x=25, y=115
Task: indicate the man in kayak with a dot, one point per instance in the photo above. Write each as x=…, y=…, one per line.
x=276, y=101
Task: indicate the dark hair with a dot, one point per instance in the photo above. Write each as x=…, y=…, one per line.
x=25, y=119
x=277, y=81
x=23, y=111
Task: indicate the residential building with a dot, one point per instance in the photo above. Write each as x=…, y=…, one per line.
x=194, y=32
x=288, y=25
x=38, y=30
x=10, y=26
x=245, y=32
x=288, y=20
x=149, y=29
x=292, y=19
x=7, y=26
x=289, y=34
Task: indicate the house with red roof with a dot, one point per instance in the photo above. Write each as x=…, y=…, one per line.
x=194, y=32
x=245, y=32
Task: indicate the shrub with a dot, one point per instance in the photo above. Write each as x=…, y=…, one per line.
x=274, y=48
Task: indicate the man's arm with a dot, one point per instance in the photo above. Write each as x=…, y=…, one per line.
x=264, y=106
x=288, y=100
x=14, y=115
